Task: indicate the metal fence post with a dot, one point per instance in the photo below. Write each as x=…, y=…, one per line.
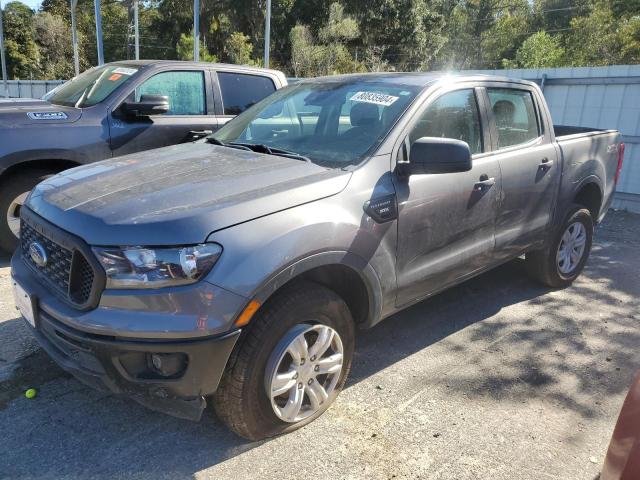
x=2, y=59
x=74, y=37
x=99, y=32
x=136, y=29
x=267, y=34
x=196, y=30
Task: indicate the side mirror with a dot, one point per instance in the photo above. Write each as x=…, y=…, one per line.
x=148, y=105
x=437, y=155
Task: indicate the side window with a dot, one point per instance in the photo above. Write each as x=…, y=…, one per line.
x=453, y=115
x=515, y=116
x=240, y=91
x=184, y=89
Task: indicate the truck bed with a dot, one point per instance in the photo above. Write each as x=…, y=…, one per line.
x=587, y=151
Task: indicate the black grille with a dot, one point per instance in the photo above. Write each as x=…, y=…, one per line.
x=67, y=269
x=58, y=268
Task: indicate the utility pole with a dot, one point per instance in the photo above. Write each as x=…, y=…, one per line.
x=2, y=59
x=99, y=32
x=74, y=37
x=137, y=31
x=267, y=34
x=196, y=30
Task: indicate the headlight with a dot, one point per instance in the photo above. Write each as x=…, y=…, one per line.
x=141, y=267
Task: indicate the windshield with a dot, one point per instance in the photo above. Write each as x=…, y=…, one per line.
x=332, y=123
x=90, y=87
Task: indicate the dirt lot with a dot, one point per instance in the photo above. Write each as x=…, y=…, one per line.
x=498, y=378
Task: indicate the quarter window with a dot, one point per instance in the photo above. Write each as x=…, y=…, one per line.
x=515, y=116
x=240, y=91
x=184, y=89
x=453, y=115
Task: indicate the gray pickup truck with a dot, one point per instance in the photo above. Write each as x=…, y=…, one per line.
x=239, y=267
x=113, y=110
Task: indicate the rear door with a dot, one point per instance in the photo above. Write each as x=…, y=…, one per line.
x=241, y=90
x=191, y=112
x=446, y=221
x=529, y=165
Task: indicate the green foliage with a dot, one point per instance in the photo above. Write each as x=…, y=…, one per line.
x=540, y=50
x=184, y=49
x=239, y=49
x=320, y=37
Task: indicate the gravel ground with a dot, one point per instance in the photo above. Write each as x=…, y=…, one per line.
x=498, y=378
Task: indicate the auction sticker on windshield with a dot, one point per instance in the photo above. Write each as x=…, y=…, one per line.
x=375, y=98
x=125, y=71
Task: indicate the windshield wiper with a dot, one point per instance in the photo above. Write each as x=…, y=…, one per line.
x=281, y=152
x=260, y=148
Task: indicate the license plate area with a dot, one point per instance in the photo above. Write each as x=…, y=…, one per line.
x=24, y=303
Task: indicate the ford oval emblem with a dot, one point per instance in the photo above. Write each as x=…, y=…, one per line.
x=38, y=254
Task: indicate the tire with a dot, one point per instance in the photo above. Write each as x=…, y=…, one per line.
x=241, y=400
x=11, y=188
x=544, y=265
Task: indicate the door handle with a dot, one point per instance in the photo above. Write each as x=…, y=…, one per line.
x=545, y=163
x=485, y=183
x=196, y=134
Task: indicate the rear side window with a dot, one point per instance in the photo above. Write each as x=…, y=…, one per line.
x=453, y=115
x=184, y=89
x=240, y=91
x=515, y=116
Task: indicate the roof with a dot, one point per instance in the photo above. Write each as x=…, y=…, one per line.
x=419, y=79
x=145, y=63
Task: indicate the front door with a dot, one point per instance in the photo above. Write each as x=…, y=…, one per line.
x=529, y=166
x=190, y=114
x=446, y=221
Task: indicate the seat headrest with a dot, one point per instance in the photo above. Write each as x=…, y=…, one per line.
x=504, y=110
x=364, y=115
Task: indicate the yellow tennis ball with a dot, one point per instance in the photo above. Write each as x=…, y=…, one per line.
x=30, y=393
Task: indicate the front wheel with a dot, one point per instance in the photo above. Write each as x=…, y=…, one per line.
x=291, y=364
x=13, y=193
x=563, y=260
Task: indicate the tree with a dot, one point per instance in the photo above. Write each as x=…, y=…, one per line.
x=52, y=37
x=23, y=56
x=184, y=49
x=238, y=49
x=540, y=50
x=594, y=39
x=408, y=31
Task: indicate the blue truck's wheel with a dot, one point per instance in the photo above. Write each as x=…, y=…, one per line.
x=13, y=191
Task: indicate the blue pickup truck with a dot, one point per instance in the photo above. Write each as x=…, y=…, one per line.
x=116, y=109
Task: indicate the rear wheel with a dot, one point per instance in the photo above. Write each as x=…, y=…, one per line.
x=291, y=364
x=563, y=260
x=13, y=192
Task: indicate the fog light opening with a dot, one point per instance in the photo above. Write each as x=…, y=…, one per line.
x=167, y=364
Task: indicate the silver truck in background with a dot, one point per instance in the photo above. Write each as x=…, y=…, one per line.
x=237, y=269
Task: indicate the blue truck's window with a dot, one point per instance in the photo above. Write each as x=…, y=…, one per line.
x=184, y=89
x=453, y=115
x=515, y=116
x=240, y=91
x=92, y=86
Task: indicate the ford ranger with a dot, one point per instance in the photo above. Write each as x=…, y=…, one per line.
x=116, y=109
x=236, y=270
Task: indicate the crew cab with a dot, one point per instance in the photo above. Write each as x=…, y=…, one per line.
x=237, y=269
x=117, y=109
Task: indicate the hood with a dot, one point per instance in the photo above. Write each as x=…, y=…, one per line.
x=18, y=112
x=178, y=195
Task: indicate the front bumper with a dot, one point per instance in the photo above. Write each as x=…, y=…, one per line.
x=123, y=364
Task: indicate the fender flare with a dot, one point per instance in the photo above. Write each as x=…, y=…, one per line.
x=348, y=259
